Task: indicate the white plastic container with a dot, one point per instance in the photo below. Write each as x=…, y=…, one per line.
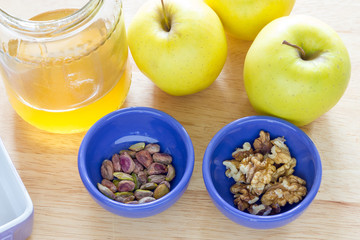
x=16, y=208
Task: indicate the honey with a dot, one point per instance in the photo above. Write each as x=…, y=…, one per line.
x=65, y=83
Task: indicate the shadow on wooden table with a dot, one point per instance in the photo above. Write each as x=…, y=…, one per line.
x=35, y=141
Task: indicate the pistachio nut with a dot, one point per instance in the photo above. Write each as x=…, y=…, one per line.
x=144, y=157
x=123, y=176
x=116, y=162
x=107, y=170
x=106, y=191
x=137, y=146
x=116, y=182
x=142, y=177
x=161, y=191
x=163, y=158
x=131, y=153
x=152, y=148
x=109, y=184
x=124, y=199
x=146, y=200
x=136, y=180
x=124, y=194
x=156, y=178
x=171, y=173
x=166, y=183
x=138, y=166
x=127, y=163
x=157, y=168
x=137, y=175
x=148, y=186
x=126, y=186
x=141, y=193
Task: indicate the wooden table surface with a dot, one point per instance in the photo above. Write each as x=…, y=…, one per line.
x=47, y=163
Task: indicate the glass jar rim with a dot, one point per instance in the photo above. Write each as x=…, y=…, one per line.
x=51, y=27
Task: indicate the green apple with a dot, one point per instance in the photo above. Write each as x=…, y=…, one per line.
x=245, y=18
x=297, y=69
x=180, y=45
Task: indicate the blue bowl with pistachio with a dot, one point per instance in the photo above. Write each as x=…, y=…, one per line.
x=131, y=152
x=261, y=172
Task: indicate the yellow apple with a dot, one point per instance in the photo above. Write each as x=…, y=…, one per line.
x=180, y=45
x=245, y=18
x=297, y=68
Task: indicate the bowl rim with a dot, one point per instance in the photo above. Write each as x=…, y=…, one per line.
x=137, y=208
x=247, y=216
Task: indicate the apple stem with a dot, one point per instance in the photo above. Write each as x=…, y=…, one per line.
x=165, y=17
x=301, y=51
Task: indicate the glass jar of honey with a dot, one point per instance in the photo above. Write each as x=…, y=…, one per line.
x=64, y=64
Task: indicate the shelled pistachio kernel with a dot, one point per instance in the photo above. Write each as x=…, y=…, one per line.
x=152, y=148
x=141, y=193
x=171, y=173
x=137, y=146
x=107, y=169
x=106, y=191
x=126, y=186
x=146, y=199
x=144, y=174
x=148, y=186
x=160, y=191
x=123, y=176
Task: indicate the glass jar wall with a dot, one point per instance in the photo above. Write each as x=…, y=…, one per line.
x=64, y=67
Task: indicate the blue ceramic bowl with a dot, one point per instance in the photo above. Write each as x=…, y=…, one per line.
x=246, y=129
x=122, y=128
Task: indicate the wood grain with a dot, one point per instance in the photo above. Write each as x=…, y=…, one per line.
x=47, y=163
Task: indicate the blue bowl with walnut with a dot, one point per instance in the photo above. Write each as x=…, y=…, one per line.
x=234, y=135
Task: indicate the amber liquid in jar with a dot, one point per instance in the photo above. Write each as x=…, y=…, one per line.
x=69, y=91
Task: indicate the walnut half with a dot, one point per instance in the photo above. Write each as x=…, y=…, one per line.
x=233, y=170
x=263, y=144
x=290, y=189
x=263, y=172
x=241, y=153
x=243, y=197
